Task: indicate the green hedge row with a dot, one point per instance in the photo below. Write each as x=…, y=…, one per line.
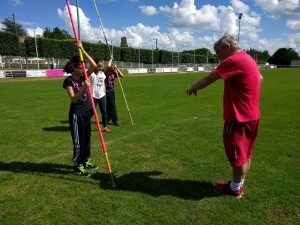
x=9, y=45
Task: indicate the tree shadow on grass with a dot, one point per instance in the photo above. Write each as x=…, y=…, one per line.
x=146, y=182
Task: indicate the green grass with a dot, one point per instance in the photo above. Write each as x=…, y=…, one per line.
x=164, y=166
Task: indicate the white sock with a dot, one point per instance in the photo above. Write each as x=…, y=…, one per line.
x=235, y=186
x=242, y=182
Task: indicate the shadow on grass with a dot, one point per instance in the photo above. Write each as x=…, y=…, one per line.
x=54, y=170
x=62, y=128
x=146, y=182
x=57, y=128
x=21, y=167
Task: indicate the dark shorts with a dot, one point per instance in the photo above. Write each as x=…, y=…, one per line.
x=239, y=139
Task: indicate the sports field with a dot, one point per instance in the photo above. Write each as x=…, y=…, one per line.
x=164, y=166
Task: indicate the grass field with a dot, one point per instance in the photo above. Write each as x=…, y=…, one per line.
x=164, y=166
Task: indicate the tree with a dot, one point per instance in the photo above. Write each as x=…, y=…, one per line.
x=284, y=56
x=13, y=27
x=47, y=32
x=56, y=33
x=123, y=42
x=260, y=57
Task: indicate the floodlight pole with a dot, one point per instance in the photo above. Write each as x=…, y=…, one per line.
x=172, y=57
x=240, y=17
x=36, y=50
x=194, y=57
x=152, y=56
x=139, y=57
x=178, y=59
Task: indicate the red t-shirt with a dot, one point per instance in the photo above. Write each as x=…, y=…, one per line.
x=241, y=87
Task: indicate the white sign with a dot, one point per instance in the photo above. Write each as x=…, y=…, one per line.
x=130, y=71
x=159, y=70
x=1, y=63
x=137, y=70
x=36, y=73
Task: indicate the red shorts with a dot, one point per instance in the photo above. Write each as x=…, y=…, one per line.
x=239, y=139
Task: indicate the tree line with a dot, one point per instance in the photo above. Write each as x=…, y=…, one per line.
x=58, y=43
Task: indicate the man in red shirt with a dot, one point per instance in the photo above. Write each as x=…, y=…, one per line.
x=242, y=81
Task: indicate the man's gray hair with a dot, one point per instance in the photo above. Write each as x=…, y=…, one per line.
x=227, y=40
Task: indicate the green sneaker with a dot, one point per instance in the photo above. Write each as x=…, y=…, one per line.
x=79, y=170
x=89, y=165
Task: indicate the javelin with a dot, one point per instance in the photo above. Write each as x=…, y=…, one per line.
x=91, y=99
x=113, y=62
x=78, y=19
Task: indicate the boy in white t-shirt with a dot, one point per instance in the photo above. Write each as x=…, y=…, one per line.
x=98, y=90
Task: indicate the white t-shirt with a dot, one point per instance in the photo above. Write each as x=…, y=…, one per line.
x=98, y=84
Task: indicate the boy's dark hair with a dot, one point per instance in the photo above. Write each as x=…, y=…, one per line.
x=98, y=60
x=71, y=64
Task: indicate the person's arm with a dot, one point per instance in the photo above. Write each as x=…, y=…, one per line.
x=109, y=64
x=110, y=60
x=92, y=63
x=202, y=83
x=118, y=72
x=75, y=97
x=104, y=87
x=261, y=78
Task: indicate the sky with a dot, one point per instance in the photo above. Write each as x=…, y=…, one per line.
x=173, y=24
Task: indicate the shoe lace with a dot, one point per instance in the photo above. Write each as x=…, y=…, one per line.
x=81, y=169
x=88, y=163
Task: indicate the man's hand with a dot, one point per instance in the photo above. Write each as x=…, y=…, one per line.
x=191, y=91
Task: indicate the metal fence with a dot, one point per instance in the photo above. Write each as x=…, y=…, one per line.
x=17, y=62
x=28, y=63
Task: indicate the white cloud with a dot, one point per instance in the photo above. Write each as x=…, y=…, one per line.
x=294, y=25
x=228, y=20
x=166, y=9
x=186, y=15
x=219, y=19
x=294, y=42
x=148, y=10
x=2, y=26
x=86, y=32
x=15, y=2
x=239, y=6
x=185, y=25
x=280, y=9
x=38, y=31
